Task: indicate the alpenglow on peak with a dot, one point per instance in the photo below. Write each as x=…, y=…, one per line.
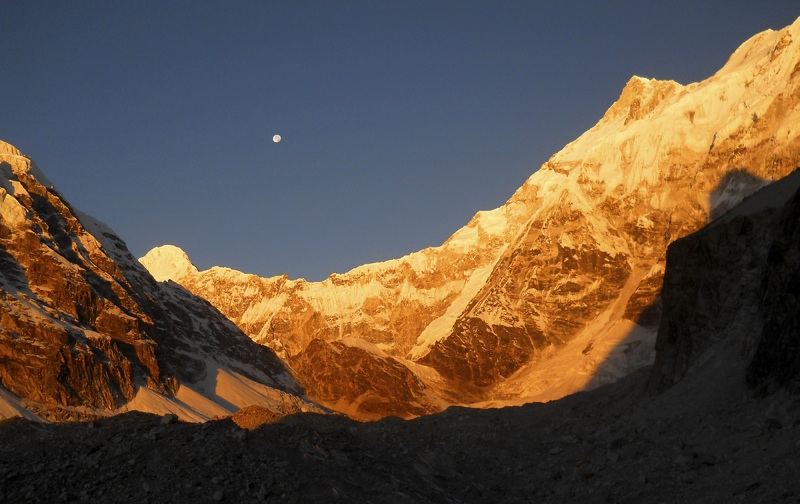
x=168, y=262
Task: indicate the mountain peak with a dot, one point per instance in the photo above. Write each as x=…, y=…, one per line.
x=761, y=50
x=639, y=97
x=19, y=164
x=168, y=262
x=7, y=148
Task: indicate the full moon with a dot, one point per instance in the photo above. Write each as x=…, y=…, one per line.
x=276, y=138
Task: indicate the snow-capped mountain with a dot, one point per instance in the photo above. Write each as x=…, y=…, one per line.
x=558, y=289
x=86, y=331
x=697, y=435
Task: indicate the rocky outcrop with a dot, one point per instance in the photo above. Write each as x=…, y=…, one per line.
x=83, y=326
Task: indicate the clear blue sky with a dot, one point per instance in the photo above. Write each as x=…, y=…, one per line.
x=400, y=120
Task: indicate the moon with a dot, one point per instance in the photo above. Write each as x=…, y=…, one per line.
x=276, y=138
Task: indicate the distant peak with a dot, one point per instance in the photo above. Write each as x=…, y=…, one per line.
x=20, y=164
x=639, y=97
x=7, y=148
x=168, y=262
x=639, y=78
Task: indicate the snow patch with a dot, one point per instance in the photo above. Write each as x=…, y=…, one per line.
x=11, y=211
x=365, y=345
x=441, y=327
x=221, y=393
x=644, y=223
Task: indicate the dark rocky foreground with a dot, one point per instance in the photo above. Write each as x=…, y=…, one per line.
x=615, y=444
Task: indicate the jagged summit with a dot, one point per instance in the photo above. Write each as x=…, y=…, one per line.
x=7, y=148
x=168, y=262
x=640, y=97
x=20, y=164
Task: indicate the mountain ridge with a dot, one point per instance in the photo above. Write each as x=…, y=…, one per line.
x=86, y=331
x=569, y=268
x=713, y=420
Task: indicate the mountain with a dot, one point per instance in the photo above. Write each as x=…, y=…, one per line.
x=713, y=420
x=555, y=291
x=85, y=330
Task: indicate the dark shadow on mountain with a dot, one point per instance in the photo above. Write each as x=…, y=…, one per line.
x=212, y=394
x=671, y=357
x=65, y=243
x=734, y=187
x=12, y=275
x=224, y=342
x=749, y=256
x=776, y=360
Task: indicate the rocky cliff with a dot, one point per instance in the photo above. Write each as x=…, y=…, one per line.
x=85, y=330
x=557, y=290
x=730, y=289
x=776, y=363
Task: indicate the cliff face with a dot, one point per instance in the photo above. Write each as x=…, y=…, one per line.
x=83, y=327
x=557, y=290
x=776, y=362
x=732, y=287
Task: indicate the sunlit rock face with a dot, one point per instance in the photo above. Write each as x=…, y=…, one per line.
x=557, y=290
x=83, y=326
x=360, y=381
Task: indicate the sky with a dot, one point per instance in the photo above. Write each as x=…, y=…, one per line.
x=399, y=119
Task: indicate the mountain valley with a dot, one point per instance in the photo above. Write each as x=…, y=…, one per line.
x=624, y=329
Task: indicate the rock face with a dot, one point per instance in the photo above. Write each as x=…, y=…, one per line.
x=733, y=285
x=83, y=326
x=360, y=381
x=776, y=362
x=557, y=290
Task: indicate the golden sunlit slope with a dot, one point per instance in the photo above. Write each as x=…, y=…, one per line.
x=555, y=291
